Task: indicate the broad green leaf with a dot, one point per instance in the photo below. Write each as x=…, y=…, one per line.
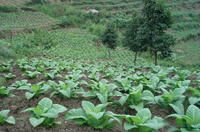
x=96, y=116
x=4, y=113
x=123, y=99
x=178, y=108
x=35, y=87
x=101, y=107
x=129, y=126
x=137, y=107
x=29, y=95
x=27, y=110
x=194, y=100
x=156, y=123
x=103, y=98
x=50, y=114
x=24, y=88
x=38, y=111
x=59, y=108
x=88, y=106
x=75, y=114
x=36, y=122
x=45, y=104
x=148, y=96
x=194, y=113
x=144, y=114
x=134, y=119
x=10, y=120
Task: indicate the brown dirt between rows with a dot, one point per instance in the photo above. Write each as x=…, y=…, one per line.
x=19, y=103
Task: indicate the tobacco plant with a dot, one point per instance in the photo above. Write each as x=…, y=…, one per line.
x=45, y=113
x=94, y=116
x=4, y=118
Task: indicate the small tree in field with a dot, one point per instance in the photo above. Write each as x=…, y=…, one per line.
x=109, y=38
x=135, y=36
x=157, y=20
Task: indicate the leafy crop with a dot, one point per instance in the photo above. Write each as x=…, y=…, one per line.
x=5, y=91
x=52, y=75
x=9, y=76
x=134, y=98
x=102, y=90
x=167, y=98
x=5, y=67
x=31, y=74
x=45, y=113
x=21, y=83
x=66, y=89
x=143, y=122
x=4, y=118
x=34, y=90
x=94, y=116
x=189, y=120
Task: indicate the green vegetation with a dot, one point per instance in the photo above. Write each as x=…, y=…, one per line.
x=45, y=113
x=24, y=20
x=94, y=116
x=143, y=122
x=109, y=37
x=188, y=121
x=4, y=118
x=135, y=88
x=82, y=56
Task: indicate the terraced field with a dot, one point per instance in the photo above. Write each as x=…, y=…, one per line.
x=13, y=2
x=18, y=20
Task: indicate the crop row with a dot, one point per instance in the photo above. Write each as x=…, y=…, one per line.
x=135, y=87
x=24, y=19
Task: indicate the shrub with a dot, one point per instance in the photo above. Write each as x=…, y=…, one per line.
x=97, y=29
x=8, y=9
x=6, y=52
x=44, y=39
x=109, y=37
x=72, y=17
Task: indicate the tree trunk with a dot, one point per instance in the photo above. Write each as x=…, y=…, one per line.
x=156, y=58
x=109, y=54
x=135, y=59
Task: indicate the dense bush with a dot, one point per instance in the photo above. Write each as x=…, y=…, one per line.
x=44, y=39
x=71, y=20
x=6, y=50
x=8, y=9
x=97, y=29
x=110, y=37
